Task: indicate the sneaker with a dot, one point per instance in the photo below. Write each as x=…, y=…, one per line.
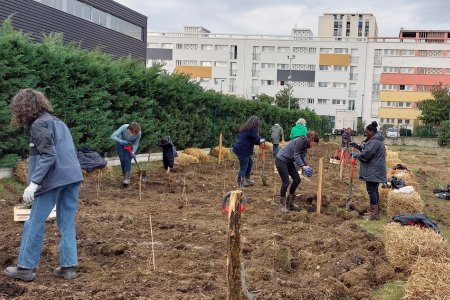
x=65, y=272
x=250, y=181
x=21, y=273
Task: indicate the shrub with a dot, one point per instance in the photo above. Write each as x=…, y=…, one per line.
x=444, y=134
x=9, y=161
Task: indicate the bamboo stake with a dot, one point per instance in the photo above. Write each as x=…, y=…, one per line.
x=234, y=279
x=319, y=186
x=183, y=193
x=153, y=247
x=341, y=165
x=140, y=187
x=98, y=183
x=220, y=147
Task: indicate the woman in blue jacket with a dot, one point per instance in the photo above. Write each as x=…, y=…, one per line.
x=127, y=135
x=243, y=148
x=54, y=176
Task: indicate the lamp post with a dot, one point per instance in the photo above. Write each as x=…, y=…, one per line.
x=221, y=82
x=290, y=57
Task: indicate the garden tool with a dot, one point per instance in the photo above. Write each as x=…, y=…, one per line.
x=352, y=169
x=225, y=201
x=129, y=148
x=263, y=158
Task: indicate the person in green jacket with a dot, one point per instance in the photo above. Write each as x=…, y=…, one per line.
x=299, y=129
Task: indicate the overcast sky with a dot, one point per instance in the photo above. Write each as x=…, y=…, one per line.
x=279, y=16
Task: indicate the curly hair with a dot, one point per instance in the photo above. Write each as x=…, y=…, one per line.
x=27, y=105
x=252, y=122
x=313, y=136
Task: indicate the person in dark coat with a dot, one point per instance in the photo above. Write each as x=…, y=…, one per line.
x=243, y=147
x=276, y=133
x=169, y=152
x=373, y=165
x=54, y=177
x=288, y=161
x=346, y=137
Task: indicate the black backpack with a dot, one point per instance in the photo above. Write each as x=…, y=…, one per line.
x=420, y=220
x=90, y=160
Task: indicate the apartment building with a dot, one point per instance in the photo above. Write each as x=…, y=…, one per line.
x=347, y=25
x=106, y=24
x=374, y=77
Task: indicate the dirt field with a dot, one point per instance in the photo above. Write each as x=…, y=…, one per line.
x=293, y=256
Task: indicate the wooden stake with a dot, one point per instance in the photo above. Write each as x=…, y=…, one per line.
x=140, y=187
x=234, y=281
x=220, y=147
x=153, y=247
x=319, y=186
x=98, y=182
x=183, y=193
x=341, y=165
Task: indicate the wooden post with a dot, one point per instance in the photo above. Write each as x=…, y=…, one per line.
x=140, y=187
x=234, y=282
x=319, y=186
x=220, y=147
x=341, y=165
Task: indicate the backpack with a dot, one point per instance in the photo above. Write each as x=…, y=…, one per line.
x=420, y=220
x=90, y=160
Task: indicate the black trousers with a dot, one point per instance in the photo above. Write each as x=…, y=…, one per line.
x=372, y=190
x=285, y=170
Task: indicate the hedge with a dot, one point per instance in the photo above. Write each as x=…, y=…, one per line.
x=95, y=94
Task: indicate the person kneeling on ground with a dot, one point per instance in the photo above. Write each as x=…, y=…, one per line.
x=124, y=136
x=54, y=177
x=288, y=161
x=373, y=166
x=243, y=148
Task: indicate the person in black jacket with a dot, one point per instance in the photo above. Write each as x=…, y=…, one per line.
x=288, y=161
x=169, y=152
x=346, y=137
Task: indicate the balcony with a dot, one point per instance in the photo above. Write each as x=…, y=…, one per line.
x=256, y=56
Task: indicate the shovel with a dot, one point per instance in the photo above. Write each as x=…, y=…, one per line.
x=350, y=198
x=263, y=158
x=129, y=148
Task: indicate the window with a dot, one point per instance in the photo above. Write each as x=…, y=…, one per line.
x=268, y=48
x=179, y=46
x=324, y=68
x=206, y=63
x=406, y=70
x=408, y=53
x=326, y=50
x=283, y=66
x=312, y=50
x=310, y=84
x=178, y=62
x=267, y=66
x=391, y=52
x=189, y=62
x=207, y=47
x=322, y=101
x=403, y=121
x=387, y=121
x=221, y=48
x=339, y=85
x=340, y=68
x=310, y=100
x=338, y=102
x=447, y=71
x=267, y=82
x=190, y=47
x=390, y=69
x=218, y=81
x=167, y=45
x=341, y=50
x=284, y=49
x=403, y=87
x=220, y=64
x=351, y=104
x=324, y=84
x=431, y=53
x=433, y=71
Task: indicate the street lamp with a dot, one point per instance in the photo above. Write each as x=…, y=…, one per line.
x=290, y=57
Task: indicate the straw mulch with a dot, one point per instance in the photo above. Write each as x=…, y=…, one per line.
x=429, y=280
x=391, y=155
x=403, y=203
x=106, y=171
x=21, y=170
x=226, y=153
x=184, y=159
x=405, y=244
x=383, y=197
x=197, y=153
x=392, y=162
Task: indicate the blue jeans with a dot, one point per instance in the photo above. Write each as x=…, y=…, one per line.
x=245, y=166
x=125, y=158
x=275, y=149
x=66, y=200
x=372, y=190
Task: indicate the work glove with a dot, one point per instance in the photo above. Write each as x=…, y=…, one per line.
x=354, y=154
x=262, y=141
x=28, y=193
x=354, y=145
x=308, y=170
x=123, y=142
x=133, y=155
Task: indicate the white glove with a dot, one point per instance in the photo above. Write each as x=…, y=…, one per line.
x=262, y=141
x=28, y=193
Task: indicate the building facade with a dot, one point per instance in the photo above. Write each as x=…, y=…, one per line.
x=347, y=25
x=112, y=27
x=377, y=78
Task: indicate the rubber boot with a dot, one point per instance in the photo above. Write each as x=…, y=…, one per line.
x=249, y=181
x=290, y=203
x=126, y=179
x=283, y=208
x=21, y=273
x=65, y=272
x=376, y=213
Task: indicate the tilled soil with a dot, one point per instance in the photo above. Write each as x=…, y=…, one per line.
x=299, y=255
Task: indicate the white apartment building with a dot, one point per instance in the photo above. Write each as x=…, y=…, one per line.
x=347, y=25
x=377, y=78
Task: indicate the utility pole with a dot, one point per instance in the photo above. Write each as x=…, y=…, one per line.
x=290, y=57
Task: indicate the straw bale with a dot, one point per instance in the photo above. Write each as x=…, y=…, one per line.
x=405, y=244
x=226, y=153
x=428, y=280
x=282, y=144
x=391, y=155
x=269, y=146
x=403, y=203
x=391, y=162
x=197, y=153
x=383, y=197
x=184, y=159
x=21, y=170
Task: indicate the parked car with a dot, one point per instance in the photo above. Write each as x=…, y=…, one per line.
x=392, y=132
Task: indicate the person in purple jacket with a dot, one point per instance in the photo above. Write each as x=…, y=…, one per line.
x=243, y=148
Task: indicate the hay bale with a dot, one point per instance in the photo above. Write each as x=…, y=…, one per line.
x=405, y=244
x=391, y=155
x=269, y=146
x=21, y=170
x=383, y=197
x=226, y=153
x=390, y=163
x=403, y=203
x=197, y=153
x=428, y=280
x=184, y=159
x=282, y=144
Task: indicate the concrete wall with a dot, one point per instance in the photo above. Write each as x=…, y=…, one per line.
x=407, y=141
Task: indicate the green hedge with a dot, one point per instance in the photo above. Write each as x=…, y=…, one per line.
x=95, y=94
